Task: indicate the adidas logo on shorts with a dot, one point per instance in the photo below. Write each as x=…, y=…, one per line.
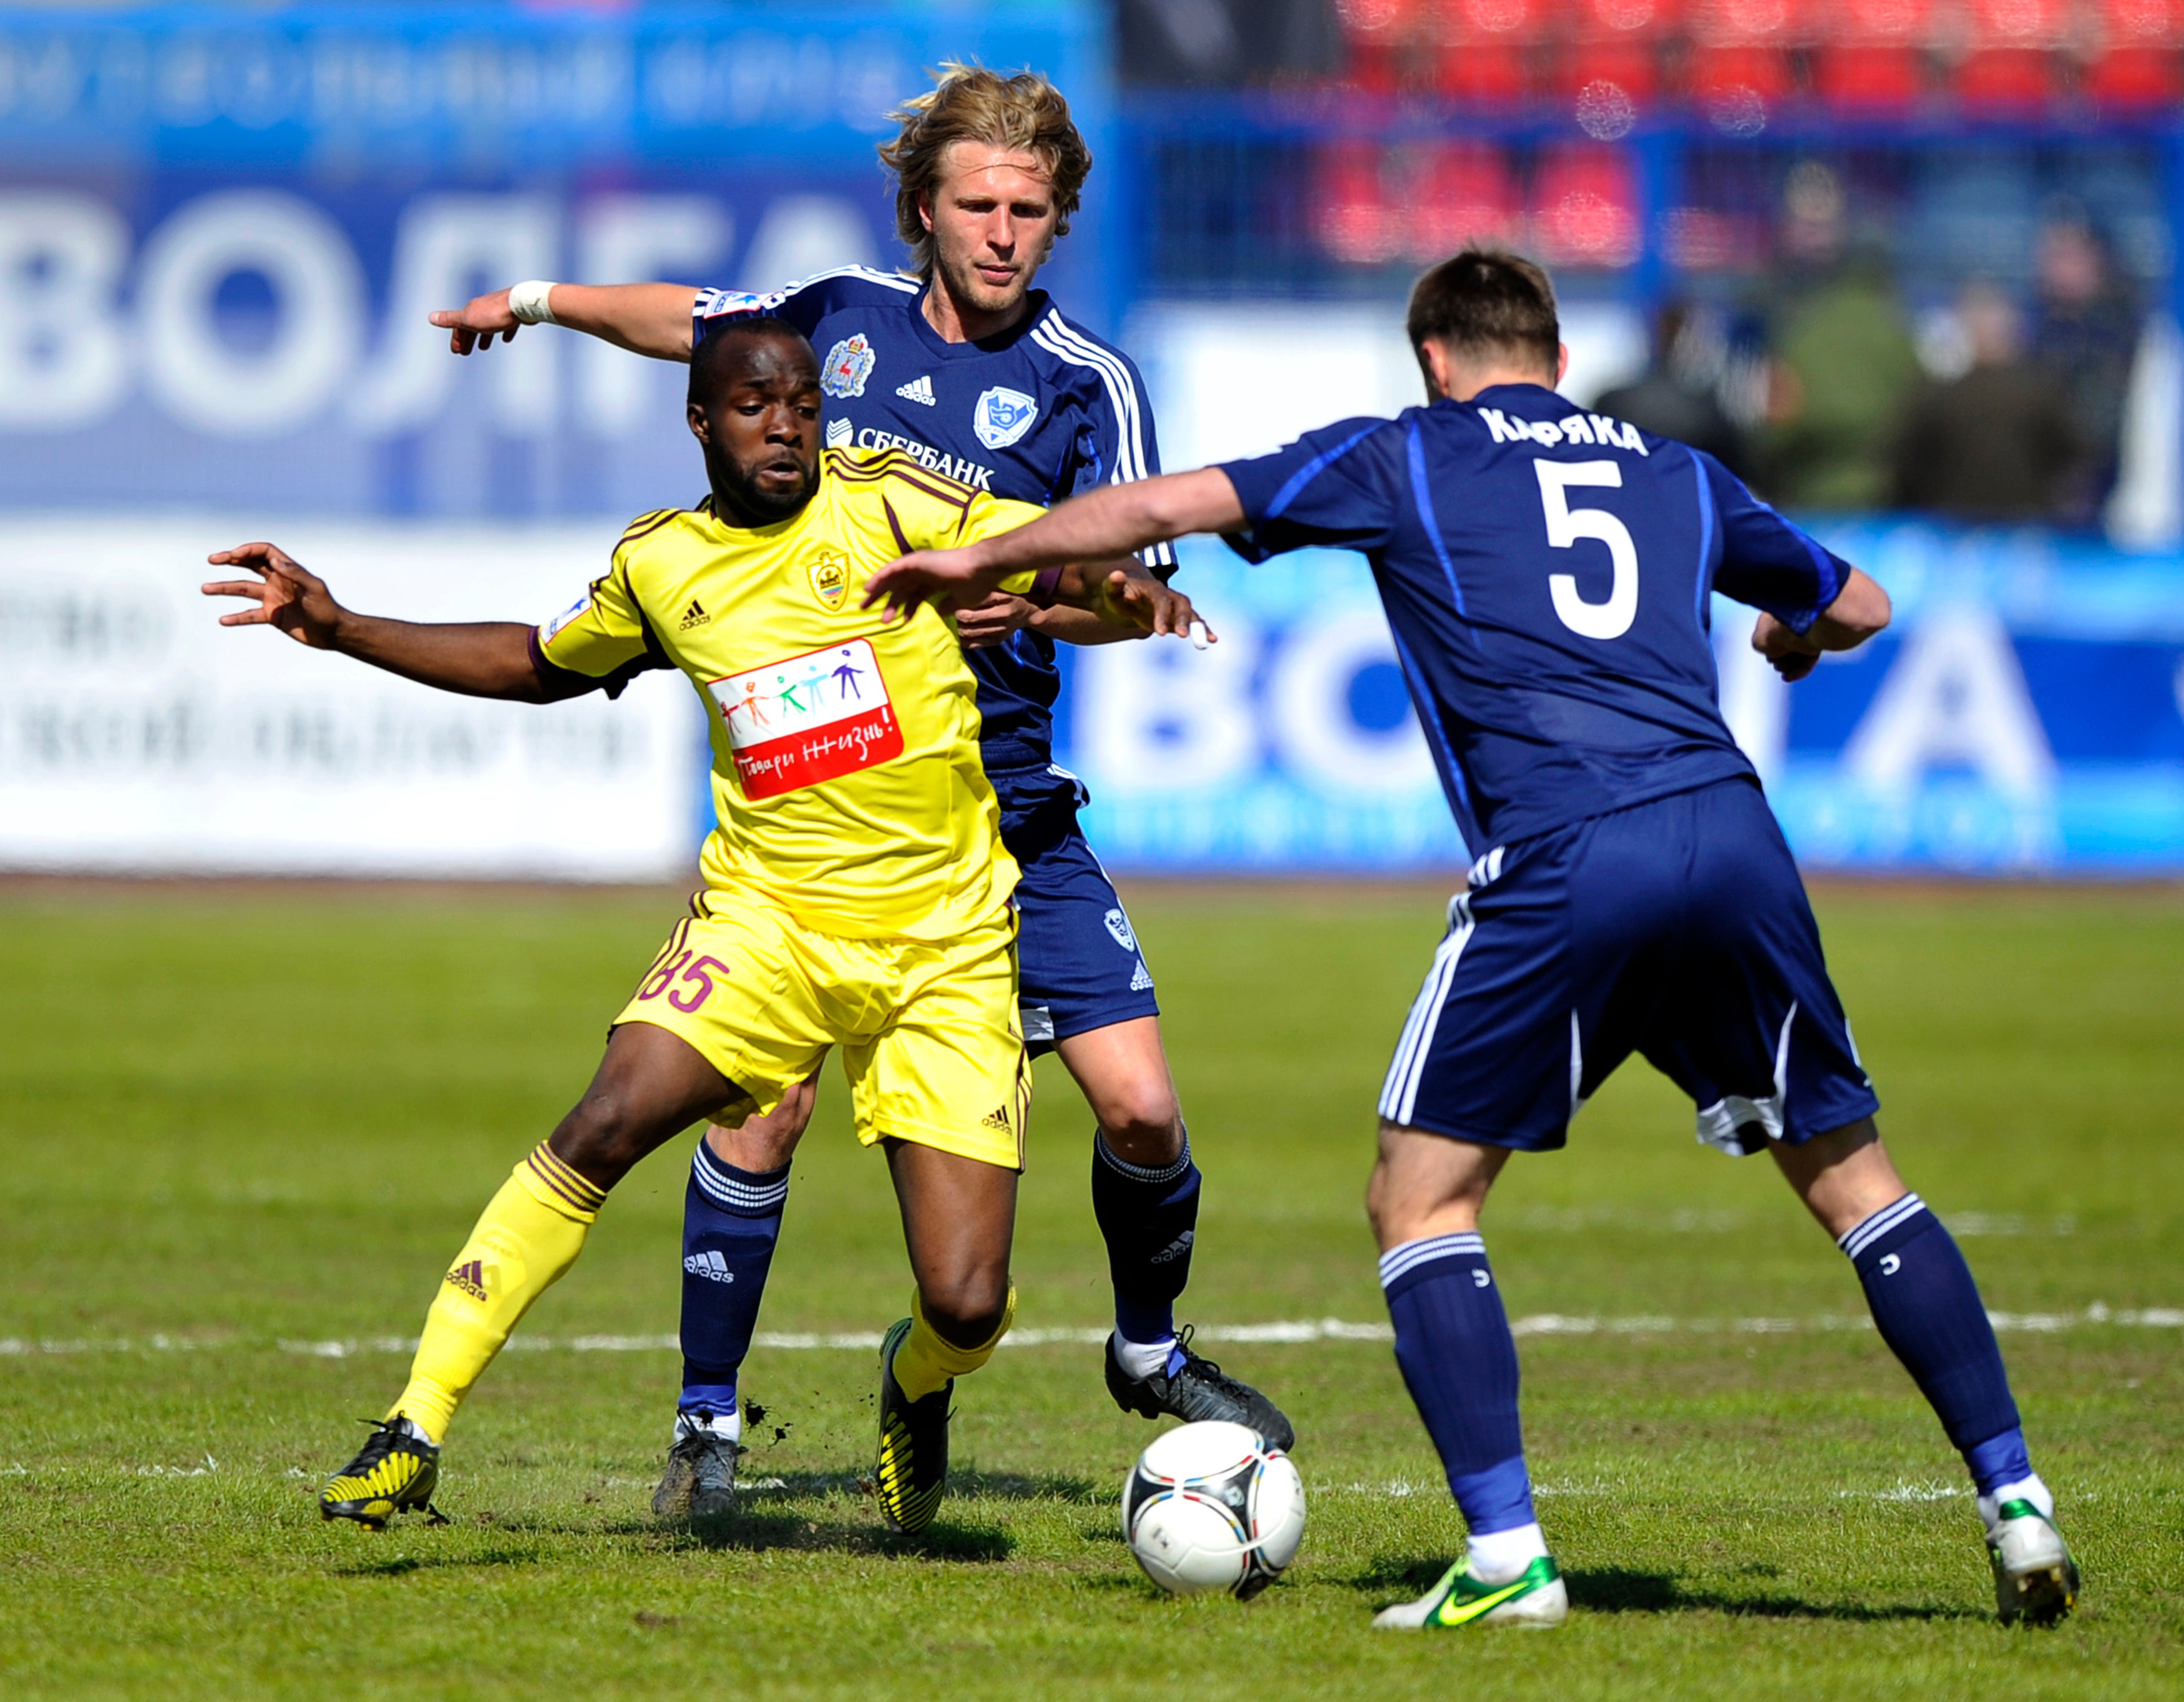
x=997, y=1119
x=469, y=1278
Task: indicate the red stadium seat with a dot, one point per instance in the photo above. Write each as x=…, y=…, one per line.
x=1742, y=23
x=2134, y=80
x=2004, y=83
x=1622, y=20
x=2140, y=23
x=1737, y=84
x=1585, y=206
x=1483, y=73
x=1356, y=222
x=1629, y=66
x=1464, y=191
x=1860, y=81
x=1872, y=23
x=1513, y=21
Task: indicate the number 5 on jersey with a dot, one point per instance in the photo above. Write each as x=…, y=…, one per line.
x=1566, y=526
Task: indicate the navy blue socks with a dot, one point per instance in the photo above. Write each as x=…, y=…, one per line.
x=1929, y=1311
x=731, y=1219
x=1149, y=1217
x=1459, y=1362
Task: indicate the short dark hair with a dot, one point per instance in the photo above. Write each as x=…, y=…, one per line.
x=1486, y=302
x=709, y=355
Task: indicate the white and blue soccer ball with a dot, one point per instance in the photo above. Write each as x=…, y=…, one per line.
x=1213, y=1506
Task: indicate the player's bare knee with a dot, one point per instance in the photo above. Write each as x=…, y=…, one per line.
x=1143, y=1125
x=604, y=1135
x=965, y=1307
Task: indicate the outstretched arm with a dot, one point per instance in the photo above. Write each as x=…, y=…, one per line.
x=1860, y=610
x=650, y=319
x=1115, y=520
x=479, y=659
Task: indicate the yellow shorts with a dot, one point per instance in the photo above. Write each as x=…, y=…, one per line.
x=928, y=1030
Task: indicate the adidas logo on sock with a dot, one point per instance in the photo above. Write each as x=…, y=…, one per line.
x=997, y=1119
x=469, y=1278
x=1176, y=1248
x=694, y=615
x=919, y=389
x=709, y=1265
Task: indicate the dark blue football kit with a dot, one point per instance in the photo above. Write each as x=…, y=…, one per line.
x=1044, y=410
x=1548, y=575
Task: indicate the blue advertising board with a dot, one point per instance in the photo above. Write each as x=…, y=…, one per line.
x=221, y=229
x=2024, y=716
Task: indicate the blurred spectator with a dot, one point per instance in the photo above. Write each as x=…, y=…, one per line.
x=1843, y=359
x=1996, y=445
x=2085, y=330
x=1227, y=43
x=1679, y=396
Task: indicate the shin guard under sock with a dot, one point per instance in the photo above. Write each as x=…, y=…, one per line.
x=1928, y=1310
x=1459, y=1362
x=731, y=1221
x=1149, y=1218
x=531, y=1232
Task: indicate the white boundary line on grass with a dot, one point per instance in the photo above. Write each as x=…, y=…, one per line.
x=2097, y=1315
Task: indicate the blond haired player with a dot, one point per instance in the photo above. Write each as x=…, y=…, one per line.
x=856, y=890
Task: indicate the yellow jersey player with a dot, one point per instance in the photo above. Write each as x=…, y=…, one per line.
x=855, y=888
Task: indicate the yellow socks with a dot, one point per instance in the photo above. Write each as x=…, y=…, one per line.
x=530, y=1234
x=925, y=1362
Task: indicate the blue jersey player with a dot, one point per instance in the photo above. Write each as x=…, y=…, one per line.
x=969, y=369
x=1546, y=574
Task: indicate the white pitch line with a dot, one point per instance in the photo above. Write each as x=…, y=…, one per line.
x=1288, y=1331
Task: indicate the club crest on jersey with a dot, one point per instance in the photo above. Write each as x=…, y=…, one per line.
x=848, y=363
x=830, y=580
x=1002, y=416
x=1119, y=925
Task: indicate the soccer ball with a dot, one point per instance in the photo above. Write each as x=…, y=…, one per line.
x=1212, y=1507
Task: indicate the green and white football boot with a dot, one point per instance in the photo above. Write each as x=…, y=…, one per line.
x=1535, y=1598
x=2036, y=1581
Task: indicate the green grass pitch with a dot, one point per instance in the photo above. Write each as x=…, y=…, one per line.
x=242, y=1132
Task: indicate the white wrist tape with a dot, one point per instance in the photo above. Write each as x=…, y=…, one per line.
x=528, y=302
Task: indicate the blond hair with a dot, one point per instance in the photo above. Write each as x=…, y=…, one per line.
x=1024, y=112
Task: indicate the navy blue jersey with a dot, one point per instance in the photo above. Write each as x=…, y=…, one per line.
x=1039, y=413
x=1545, y=573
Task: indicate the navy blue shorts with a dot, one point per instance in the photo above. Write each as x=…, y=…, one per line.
x=1078, y=963
x=1677, y=929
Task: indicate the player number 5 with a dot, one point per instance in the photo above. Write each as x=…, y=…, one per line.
x=1567, y=525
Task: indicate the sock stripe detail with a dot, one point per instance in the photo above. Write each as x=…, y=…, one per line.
x=1140, y=1173
x=1399, y=1261
x=747, y=1193
x=1859, y=1237
x=584, y=1196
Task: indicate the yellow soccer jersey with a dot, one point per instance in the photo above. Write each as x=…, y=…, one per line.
x=846, y=776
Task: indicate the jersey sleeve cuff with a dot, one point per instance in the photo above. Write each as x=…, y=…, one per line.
x=557, y=683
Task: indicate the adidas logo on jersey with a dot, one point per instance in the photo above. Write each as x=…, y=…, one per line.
x=694, y=615
x=709, y=1265
x=919, y=389
x=996, y=1118
x=469, y=1277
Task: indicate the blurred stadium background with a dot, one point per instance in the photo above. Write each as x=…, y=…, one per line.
x=1909, y=263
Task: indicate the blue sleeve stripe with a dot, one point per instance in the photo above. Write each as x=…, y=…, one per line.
x=1705, y=542
x=1823, y=565
x=1295, y=487
x=1423, y=497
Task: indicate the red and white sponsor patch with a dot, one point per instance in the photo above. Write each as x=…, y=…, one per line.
x=808, y=718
